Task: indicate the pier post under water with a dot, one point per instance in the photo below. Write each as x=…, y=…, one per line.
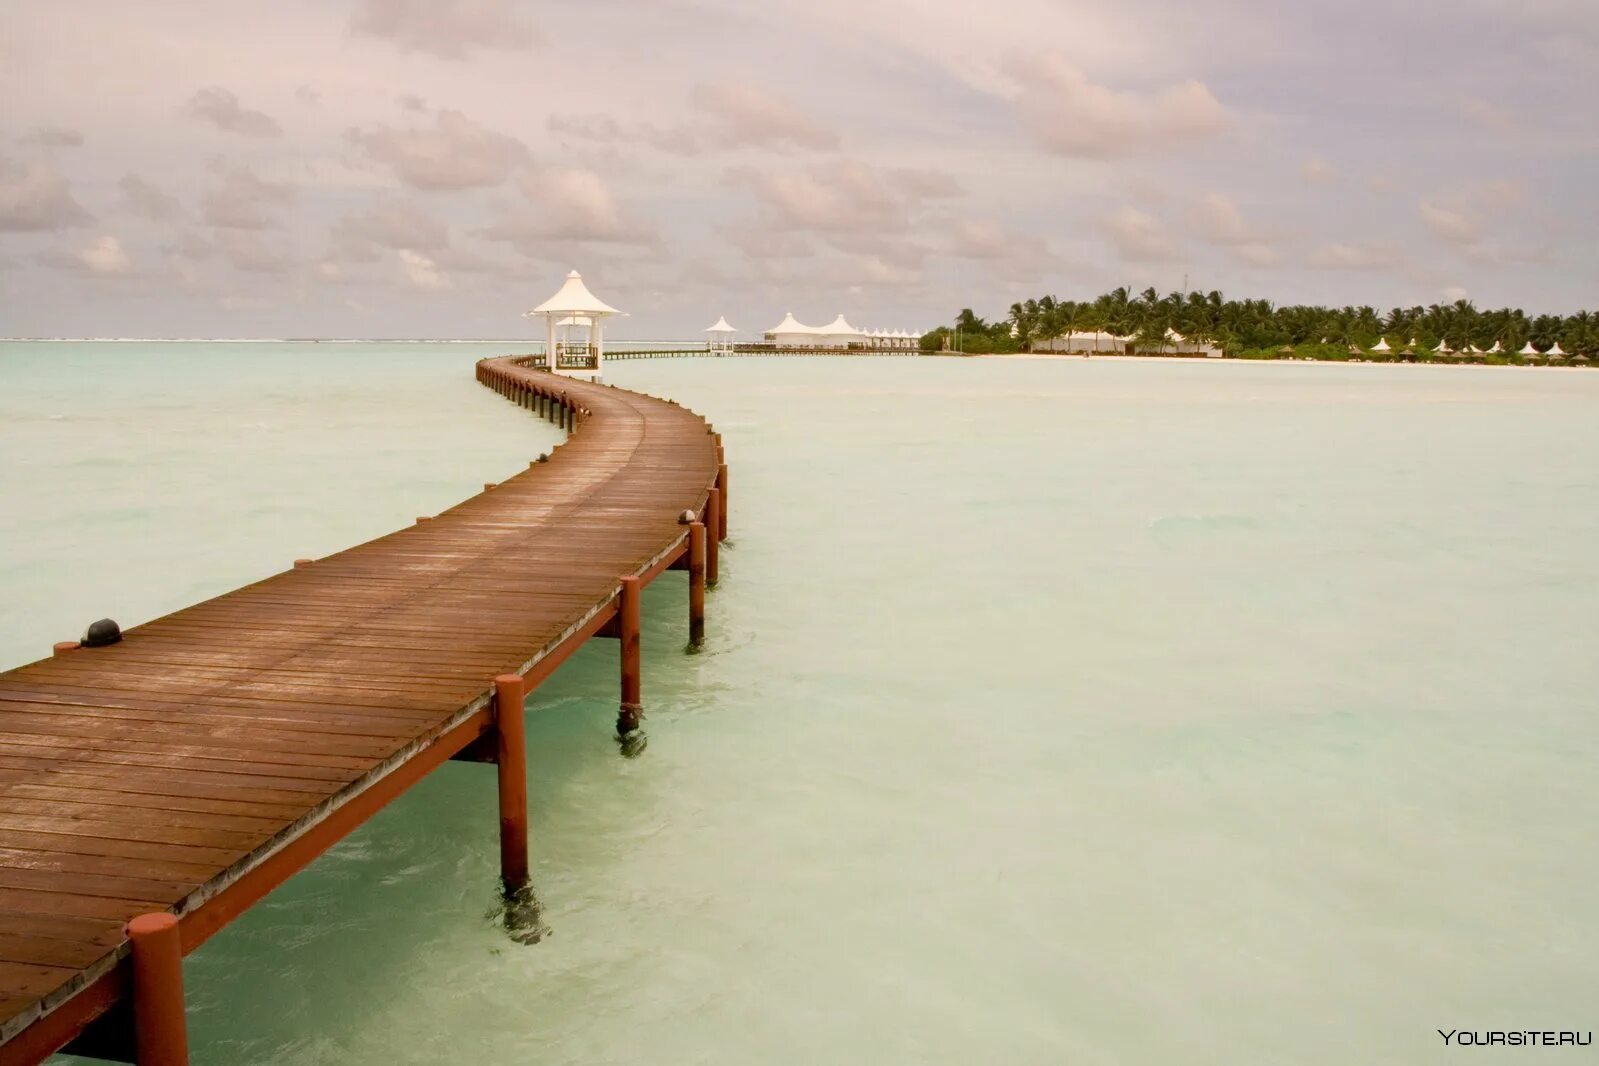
x=627, y=624
x=510, y=754
x=160, y=1031
x=713, y=521
x=696, y=584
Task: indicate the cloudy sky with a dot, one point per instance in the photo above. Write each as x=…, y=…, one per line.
x=431, y=168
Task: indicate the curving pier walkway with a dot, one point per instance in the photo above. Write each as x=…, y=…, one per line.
x=201, y=761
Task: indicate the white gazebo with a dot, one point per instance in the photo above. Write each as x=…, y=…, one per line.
x=1443, y=349
x=1497, y=349
x=721, y=337
x=1381, y=345
x=1529, y=350
x=574, y=308
x=1556, y=352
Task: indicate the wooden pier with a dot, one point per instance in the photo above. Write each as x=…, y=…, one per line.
x=161, y=785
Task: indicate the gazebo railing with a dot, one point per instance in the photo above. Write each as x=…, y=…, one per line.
x=572, y=355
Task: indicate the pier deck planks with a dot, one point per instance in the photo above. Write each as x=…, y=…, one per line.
x=158, y=772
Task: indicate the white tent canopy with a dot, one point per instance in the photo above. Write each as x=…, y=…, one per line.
x=1443, y=346
x=1381, y=345
x=720, y=327
x=1496, y=349
x=1529, y=350
x=1556, y=350
x=791, y=325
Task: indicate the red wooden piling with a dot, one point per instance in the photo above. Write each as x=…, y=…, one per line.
x=160, y=1034
x=713, y=520
x=721, y=485
x=696, y=583
x=511, y=755
x=627, y=621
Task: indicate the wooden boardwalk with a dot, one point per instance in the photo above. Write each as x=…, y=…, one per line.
x=210, y=754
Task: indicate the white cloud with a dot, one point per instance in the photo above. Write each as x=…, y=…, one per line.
x=566, y=204
x=456, y=153
x=1449, y=225
x=34, y=196
x=1139, y=237
x=421, y=271
x=246, y=250
x=222, y=109
x=842, y=198
x=1257, y=254
x=103, y=256
x=391, y=224
x=1074, y=116
x=449, y=29
x=244, y=201
x=749, y=115
x=146, y=200
x=1345, y=255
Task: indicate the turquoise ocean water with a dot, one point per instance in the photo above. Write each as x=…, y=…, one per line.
x=1053, y=711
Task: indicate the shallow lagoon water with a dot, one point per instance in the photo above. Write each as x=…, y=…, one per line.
x=1133, y=712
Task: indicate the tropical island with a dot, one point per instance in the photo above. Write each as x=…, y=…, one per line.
x=1207, y=323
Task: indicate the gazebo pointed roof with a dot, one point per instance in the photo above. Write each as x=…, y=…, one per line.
x=720, y=327
x=1381, y=345
x=574, y=298
x=1443, y=346
x=838, y=325
x=1529, y=350
x=1556, y=350
x=1495, y=349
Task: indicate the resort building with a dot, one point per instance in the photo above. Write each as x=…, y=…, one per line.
x=1087, y=344
x=792, y=333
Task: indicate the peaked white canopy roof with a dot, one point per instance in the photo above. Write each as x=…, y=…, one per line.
x=792, y=325
x=1381, y=345
x=1529, y=350
x=838, y=325
x=1496, y=348
x=720, y=327
x=1556, y=350
x=1443, y=346
x=1474, y=350
x=574, y=298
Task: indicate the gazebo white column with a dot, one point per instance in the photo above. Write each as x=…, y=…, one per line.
x=576, y=304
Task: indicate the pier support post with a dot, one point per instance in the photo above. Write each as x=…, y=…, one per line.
x=713, y=520
x=696, y=584
x=160, y=1033
x=721, y=485
x=627, y=624
x=510, y=753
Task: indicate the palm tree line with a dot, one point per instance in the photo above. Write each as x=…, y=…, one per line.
x=1242, y=327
